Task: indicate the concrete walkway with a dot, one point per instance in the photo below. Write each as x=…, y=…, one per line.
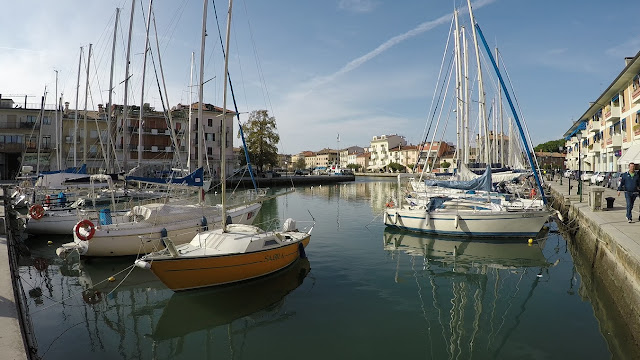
x=611, y=247
x=612, y=221
x=11, y=340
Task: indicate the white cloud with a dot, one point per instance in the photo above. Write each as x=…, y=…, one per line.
x=360, y=6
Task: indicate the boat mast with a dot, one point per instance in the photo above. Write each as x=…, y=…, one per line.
x=113, y=57
x=75, y=122
x=125, y=109
x=459, y=105
x=501, y=115
x=224, y=114
x=467, y=96
x=56, y=125
x=190, y=122
x=40, y=115
x=481, y=100
x=84, y=123
x=174, y=141
x=144, y=69
x=199, y=131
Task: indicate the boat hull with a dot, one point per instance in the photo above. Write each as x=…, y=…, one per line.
x=199, y=272
x=141, y=238
x=468, y=223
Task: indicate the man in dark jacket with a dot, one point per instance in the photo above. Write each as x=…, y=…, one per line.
x=630, y=184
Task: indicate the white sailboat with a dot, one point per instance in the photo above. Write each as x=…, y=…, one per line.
x=142, y=229
x=469, y=208
x=233, y=253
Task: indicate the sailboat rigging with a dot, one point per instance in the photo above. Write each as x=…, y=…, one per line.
x=233, y=253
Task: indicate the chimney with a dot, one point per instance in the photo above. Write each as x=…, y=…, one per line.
x=66, y=107
x=627, y=61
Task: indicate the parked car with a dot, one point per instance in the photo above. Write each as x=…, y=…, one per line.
x=614, y=181
x=597, y=178
x=586, y=175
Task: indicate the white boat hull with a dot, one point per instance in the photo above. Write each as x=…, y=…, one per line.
x=134, y=238
x=468, y=223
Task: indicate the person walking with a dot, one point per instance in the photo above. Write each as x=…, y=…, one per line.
x=630, y=184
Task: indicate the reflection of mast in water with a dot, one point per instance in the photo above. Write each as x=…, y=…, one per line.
x=463, y=269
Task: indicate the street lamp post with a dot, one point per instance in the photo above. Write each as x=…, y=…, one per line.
x=579, y=135
x=561, y=173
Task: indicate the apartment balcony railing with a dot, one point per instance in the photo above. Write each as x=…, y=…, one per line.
x=593, y=126
x=612, y=113
x=635, y=95
x=29, y=125
x=11, y=147
x=614, y=141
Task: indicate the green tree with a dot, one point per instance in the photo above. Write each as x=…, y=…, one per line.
x=262, y=139
x=445, y=165
x=354, y=167
x=300, y=164
x=550, y=146
x=396, y=167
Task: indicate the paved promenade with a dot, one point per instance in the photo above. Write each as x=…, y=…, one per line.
x=610, y=248
x=11, y=341
x=612, y=221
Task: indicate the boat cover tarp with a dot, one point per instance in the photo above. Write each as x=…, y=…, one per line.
x=193, y=179
x=481, y=183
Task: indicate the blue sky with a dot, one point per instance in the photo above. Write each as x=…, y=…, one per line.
x=359, y=68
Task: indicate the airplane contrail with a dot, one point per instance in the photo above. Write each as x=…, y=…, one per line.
x=425, y=26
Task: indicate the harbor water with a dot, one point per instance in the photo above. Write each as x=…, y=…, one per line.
x=363, y=292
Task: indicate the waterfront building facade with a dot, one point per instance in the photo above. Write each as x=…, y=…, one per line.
x=607, y=135
x=380, y=150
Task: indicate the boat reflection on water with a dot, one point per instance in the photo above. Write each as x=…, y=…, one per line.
x=466, y=252
x=472, y=296
x=195, y=310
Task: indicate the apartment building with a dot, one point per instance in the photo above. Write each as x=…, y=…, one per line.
x=379, y=149
x=607, y=135
x=28, y=137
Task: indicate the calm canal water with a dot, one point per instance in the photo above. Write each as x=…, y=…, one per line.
x=363, y=293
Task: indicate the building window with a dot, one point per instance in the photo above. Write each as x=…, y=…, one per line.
x=31, y=119
x=46, y=142
x=210, y=122
x=624, y=124
x=46, y=120
x=209, y=151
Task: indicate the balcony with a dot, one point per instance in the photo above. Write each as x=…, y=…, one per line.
x=612, y=113
x=635, y=95
x=593, y=126
x=614, y=141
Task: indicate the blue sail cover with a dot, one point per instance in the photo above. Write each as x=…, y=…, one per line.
x=72, y=170
x=481, y=183
x=194, y=179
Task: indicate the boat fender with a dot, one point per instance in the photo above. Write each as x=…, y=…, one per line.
x=163, y=233
x=203, y=224
x=88, y=227
x=36, y=211
x=303, y=255
x=229, y=220
x=457, y=221
x=142, y=264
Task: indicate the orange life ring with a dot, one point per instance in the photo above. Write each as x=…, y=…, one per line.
x=87, y=225
x=389, y=204
x=36, y=211
x=532, y=193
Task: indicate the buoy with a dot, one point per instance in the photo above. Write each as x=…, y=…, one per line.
x=530, y=241
x=49, y=242
x=111, y=279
